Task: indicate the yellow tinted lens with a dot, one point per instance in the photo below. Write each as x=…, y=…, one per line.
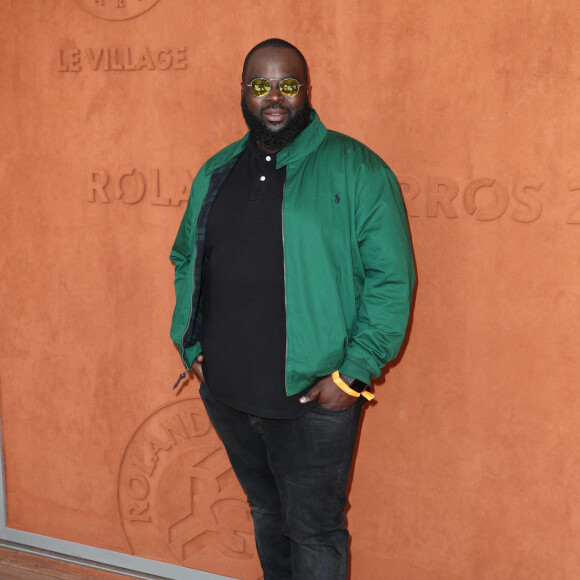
x=260, y=87
x=289, y=87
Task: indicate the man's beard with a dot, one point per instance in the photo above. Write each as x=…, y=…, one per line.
x=276, y=140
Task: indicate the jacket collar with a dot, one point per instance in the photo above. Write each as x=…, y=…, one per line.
x=302, y=146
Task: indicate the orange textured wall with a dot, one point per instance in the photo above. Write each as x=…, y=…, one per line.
x=467, y=465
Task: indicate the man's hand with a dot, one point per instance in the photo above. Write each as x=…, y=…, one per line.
x=329, y=395
x=196, y=368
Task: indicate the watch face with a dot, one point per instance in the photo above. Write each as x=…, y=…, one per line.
x=358, y=385
x=116, y=9
x=354, y=384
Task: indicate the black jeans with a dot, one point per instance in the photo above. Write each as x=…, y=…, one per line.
x=294, y=473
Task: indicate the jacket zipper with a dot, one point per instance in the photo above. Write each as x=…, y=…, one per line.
x=285, y=300
x=191, y=313
x=182, y=353
x=182, y=350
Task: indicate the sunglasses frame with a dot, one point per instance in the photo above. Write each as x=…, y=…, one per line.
x=271, y=82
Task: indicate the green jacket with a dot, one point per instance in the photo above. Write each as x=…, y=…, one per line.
x=349, y=270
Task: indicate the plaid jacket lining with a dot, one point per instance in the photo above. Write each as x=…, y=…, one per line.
x=218, y=178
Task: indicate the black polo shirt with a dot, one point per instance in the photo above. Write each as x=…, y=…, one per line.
x=243, y=297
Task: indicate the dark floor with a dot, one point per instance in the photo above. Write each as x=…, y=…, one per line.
x=20, y=566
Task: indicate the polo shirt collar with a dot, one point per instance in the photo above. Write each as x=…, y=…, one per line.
x=255, y=151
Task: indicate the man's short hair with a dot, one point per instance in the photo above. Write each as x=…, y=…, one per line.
x=274, y=43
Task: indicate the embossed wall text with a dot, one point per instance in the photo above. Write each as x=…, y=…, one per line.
x=178, y=496
x=484, y=199
x=121, y=59
x=132, y=185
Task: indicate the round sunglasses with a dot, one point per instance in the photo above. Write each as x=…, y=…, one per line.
x=288, y=87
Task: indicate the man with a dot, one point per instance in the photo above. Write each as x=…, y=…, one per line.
x=294, y=277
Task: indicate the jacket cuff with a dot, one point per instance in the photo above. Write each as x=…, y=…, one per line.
x=355, y=369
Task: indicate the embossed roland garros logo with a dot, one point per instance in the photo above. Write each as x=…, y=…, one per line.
x=179, y=499
x=116, y=9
